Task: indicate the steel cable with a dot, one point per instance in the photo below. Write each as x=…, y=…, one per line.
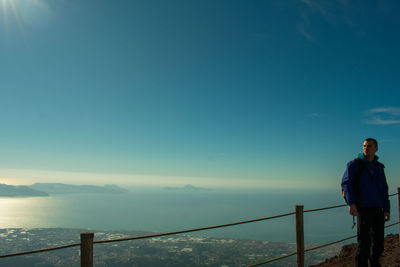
x=274, y=259
x=39, y=250
x=192, y=230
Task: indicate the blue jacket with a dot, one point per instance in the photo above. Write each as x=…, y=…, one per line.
x=374, y=188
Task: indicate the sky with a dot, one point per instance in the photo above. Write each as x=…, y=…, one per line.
x=213, y=93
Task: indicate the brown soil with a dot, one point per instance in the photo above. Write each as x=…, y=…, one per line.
x=390, y=257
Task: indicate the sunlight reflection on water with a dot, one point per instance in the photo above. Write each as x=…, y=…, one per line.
x=29, y=212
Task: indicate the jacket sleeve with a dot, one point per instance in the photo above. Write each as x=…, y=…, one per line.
x=347, y=182
x=386, y=203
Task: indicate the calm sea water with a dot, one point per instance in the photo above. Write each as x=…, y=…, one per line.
x=164, y=211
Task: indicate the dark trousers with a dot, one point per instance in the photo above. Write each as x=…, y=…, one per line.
x=370, y=236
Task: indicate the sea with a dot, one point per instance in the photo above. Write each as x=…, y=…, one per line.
x=161, y=210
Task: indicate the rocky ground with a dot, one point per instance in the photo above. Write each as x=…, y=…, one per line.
x=390, y=257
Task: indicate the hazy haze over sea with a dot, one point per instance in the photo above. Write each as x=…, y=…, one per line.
x=161, y=210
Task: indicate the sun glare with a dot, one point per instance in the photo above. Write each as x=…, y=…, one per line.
x=7, y=6
x=24, y=13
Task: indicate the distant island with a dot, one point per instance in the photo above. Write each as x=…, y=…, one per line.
x=187, y=187
x=45, y=189
x=59, y=188
x=20, y=191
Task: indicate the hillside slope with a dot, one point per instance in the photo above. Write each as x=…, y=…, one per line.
x=390, y=257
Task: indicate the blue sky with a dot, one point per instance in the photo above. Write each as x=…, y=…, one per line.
x=213, y=93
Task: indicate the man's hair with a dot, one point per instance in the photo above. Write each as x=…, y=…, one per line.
x=372, y=140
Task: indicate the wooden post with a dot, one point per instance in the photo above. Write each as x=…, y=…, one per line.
x=87, y=249
x=300, y=235
x=398, y=207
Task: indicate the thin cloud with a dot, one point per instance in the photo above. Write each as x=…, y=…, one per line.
x=384, y=116
x=316, y=5
x=390, y=110
x=378, y=121
x=334, y=12
x=315, y=115
x=302, y=30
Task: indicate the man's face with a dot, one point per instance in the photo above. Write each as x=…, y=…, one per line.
x=369, y=148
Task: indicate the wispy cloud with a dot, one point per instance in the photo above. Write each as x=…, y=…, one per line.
x=305, y=27
x=390, y=110
x=383, y=116
x=303, y=30
x=335, y=13
x=315, y=115
x=316, y=5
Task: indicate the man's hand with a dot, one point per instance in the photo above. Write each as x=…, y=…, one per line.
x=353, y=210
x=386, y=216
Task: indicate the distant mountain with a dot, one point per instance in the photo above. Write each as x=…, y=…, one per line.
x=187, y=187
x=20, y=191
x=59, y=188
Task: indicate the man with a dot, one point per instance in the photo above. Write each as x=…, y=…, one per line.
x=365, y=188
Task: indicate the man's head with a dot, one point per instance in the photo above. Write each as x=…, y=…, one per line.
x=370, y=147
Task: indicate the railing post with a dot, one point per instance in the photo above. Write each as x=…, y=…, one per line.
x=398, y=207
x=87, y=249
x=300, y=235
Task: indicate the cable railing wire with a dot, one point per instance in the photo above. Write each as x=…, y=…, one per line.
x=337, y=206
x=341, y=240
x=39, y=250
x=326, y=208
x=193, y=230
x=274, y=259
